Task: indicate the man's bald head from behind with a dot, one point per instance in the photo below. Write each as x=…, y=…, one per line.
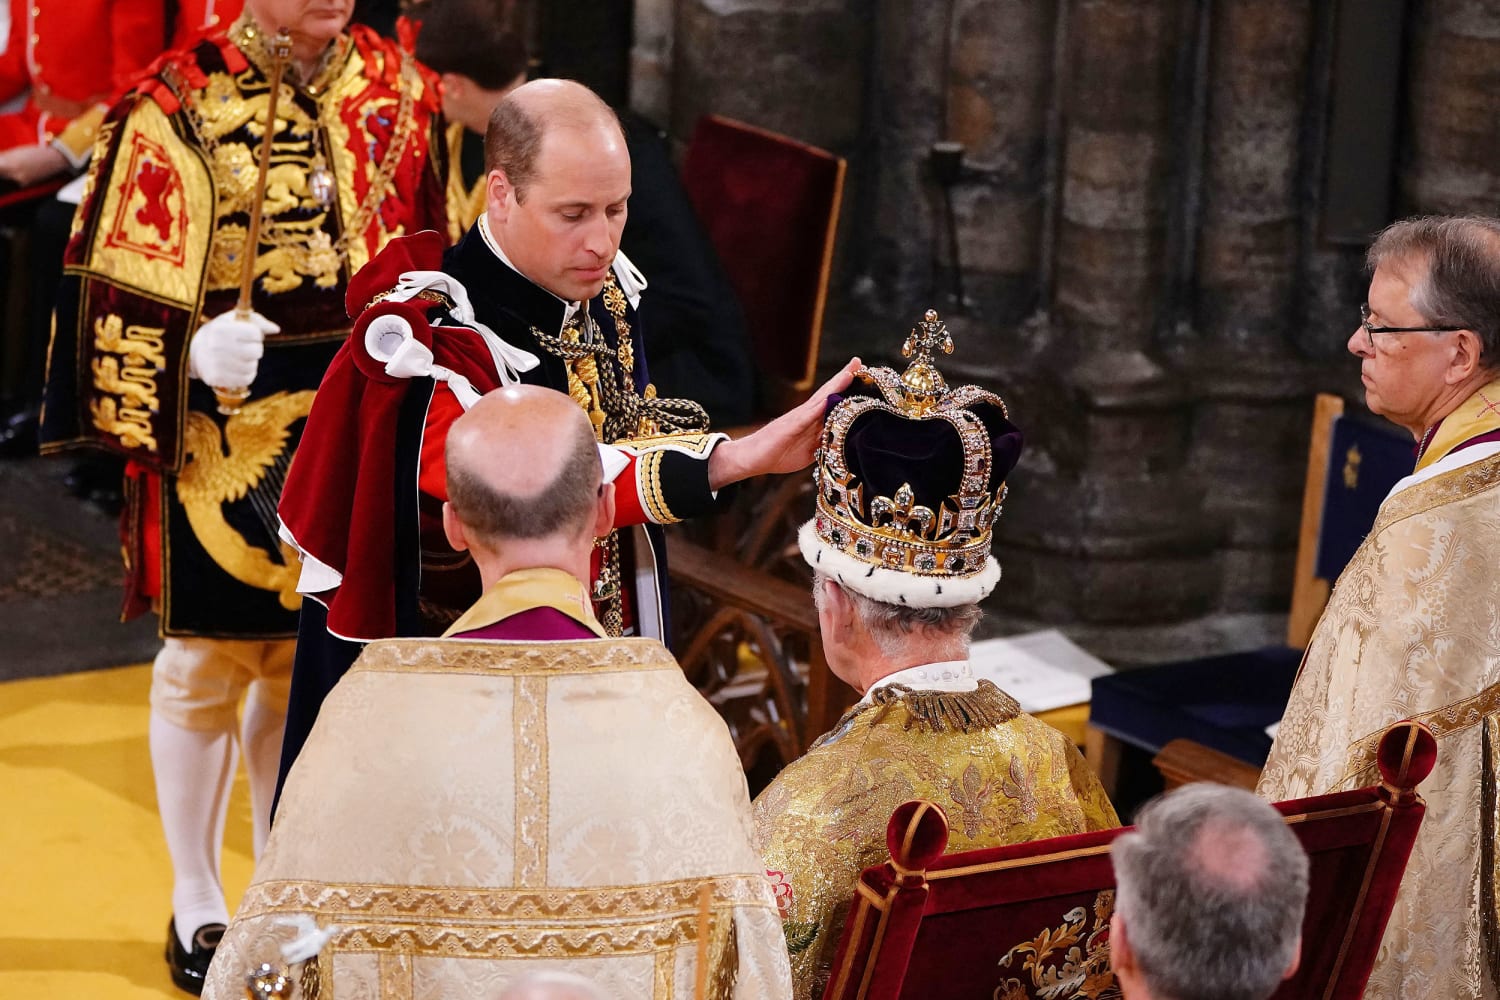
x=521, y=121
x=523, y=464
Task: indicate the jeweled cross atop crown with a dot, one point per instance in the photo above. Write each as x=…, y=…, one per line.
x=923, y=382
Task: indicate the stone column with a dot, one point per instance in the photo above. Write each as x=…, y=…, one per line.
x=1454, y=132
x=651, y=60
x=793, y=66
x=1108, y=526
x=1253, y=386
x=907, y=88
x=998, y=97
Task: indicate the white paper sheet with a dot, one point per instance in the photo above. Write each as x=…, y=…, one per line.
x=1041, y=670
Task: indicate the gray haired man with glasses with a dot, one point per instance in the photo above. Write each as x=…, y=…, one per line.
x=1412, y=629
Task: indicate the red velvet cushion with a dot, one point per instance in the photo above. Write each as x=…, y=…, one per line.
x=769, y=205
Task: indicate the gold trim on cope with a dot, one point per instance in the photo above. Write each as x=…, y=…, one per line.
x=531, y=783
x=477, y=656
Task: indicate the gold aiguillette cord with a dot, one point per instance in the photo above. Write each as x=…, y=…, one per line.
x=230, y=397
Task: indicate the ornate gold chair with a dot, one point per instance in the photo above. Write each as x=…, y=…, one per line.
x=1030, y=921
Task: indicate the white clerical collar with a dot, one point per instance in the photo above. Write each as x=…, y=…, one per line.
x=949, y=675
x=569, y=308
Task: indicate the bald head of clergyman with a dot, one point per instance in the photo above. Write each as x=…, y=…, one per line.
x=525, y=484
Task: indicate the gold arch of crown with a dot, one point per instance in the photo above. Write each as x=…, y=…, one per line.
x=897, y=533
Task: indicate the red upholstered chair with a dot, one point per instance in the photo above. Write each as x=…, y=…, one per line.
x=770, y=206
x=1032, y=920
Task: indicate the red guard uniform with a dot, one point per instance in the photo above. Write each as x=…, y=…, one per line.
x=66, y=56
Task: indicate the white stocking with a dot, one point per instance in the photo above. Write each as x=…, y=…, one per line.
x=261, y=733
x=194, y=772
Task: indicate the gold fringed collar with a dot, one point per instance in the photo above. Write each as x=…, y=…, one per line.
x=986, y=707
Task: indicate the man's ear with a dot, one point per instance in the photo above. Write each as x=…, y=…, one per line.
x=839, y=609
x=499, y=196
x=454, y=84
x=453, y=529
x=1296, y=963
x=604, y=510
x=1465, y=361
x=1121, y=958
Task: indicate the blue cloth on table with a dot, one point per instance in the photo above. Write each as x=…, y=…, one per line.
x=1224, y=702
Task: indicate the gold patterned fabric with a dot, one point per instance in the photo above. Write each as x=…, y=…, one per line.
x=465, y=201
x=1412, y=629
x=1002, y=777
x=466, y=812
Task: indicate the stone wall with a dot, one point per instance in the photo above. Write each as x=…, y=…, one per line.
x=1138, y=242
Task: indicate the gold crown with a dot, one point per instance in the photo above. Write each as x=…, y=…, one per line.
x=924, y=517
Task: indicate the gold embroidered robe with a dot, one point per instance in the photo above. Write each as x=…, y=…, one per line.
x=470, y=811
x=1412, y=630
x=822, y=820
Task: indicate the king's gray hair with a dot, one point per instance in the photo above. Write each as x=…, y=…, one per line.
x=1211, y=886
x=893, y=625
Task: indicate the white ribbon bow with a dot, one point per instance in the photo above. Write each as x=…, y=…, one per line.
x=389, y=339
x=510, y=361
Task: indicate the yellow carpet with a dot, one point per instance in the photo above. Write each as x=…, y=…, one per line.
x=86, y=890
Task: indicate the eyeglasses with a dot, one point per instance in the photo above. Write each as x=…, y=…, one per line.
x=1371, y=331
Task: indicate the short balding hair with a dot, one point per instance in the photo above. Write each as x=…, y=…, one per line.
x=1212, y=887
x=565, y=504
x=513, y=139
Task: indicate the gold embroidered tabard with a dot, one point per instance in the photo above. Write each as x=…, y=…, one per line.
x=466, y=812
x=1001, y=776
x=1412, y=630
x=159, y=240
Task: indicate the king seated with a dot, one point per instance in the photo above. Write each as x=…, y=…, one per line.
x=909, y=481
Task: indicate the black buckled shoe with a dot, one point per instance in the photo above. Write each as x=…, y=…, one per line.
x=190, y=968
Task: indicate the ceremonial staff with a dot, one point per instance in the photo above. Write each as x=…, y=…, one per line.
x=230, y=397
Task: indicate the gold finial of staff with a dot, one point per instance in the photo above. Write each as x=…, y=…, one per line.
x=230, y=397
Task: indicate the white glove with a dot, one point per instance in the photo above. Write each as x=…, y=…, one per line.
x=226, y=350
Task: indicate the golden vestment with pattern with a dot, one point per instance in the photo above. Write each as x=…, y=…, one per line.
x=1008, y=779
x=1412, y=630
x=467, y=812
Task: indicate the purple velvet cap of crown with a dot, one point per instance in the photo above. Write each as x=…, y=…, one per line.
x=883, y=450
x=908, y=496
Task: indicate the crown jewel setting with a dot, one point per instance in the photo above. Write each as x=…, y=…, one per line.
x=950, y=539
